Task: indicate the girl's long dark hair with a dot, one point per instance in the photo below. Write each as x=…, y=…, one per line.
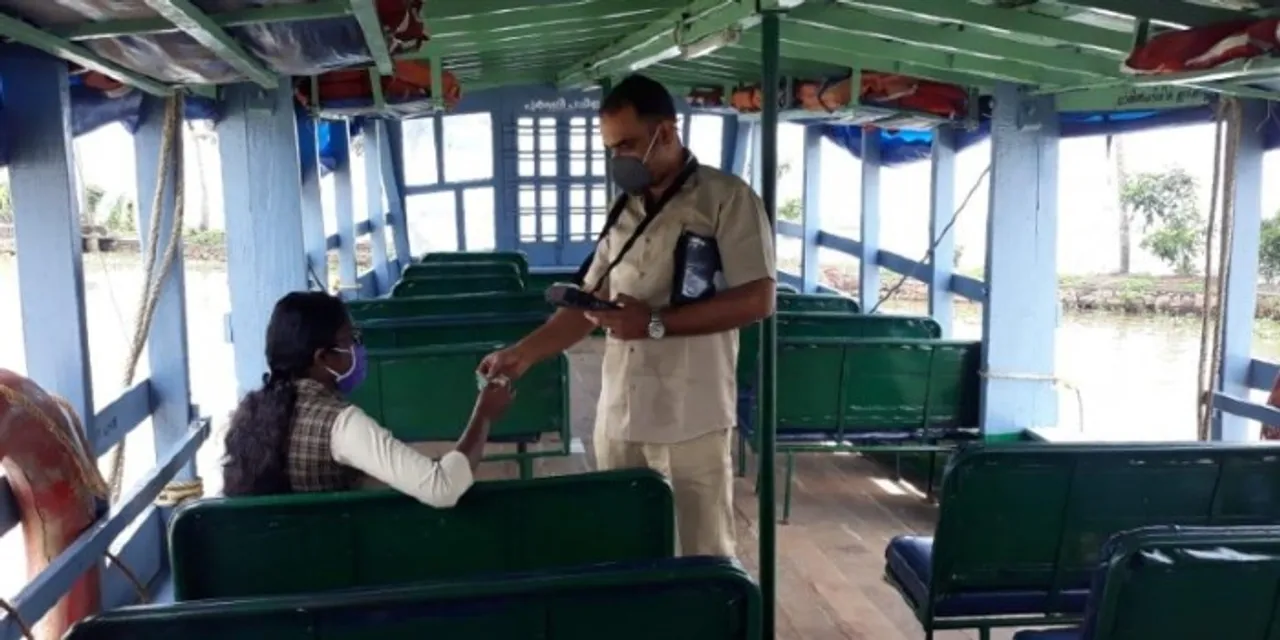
x=257, y=443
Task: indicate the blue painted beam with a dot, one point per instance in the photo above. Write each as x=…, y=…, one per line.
x=391, y=155
x=262, y=190
x=37, y=121
x=811, y=223
x=970, y=288
x=790, y=229
x=869, y=227
x=377, y=220
x=942, y=209
x=167, y=341
x=1020, y=317
x=344, y=203
x=39, y=595
x=124, y=414
x=1240, y=297
x=313, y=235
x=901, y=265
x=1245, y=409
x=1262, y=375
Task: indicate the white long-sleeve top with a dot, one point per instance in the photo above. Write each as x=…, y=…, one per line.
x=358, y=441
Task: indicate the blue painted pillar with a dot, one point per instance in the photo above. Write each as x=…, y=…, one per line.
x=344, y=207
x=869, y=261
x=313, y=235
x=37, y=120
x=391, y=154
x=262, y=196
x=728, y=143
x=167, y=350
x=1240, y=296
x=1020, y=316
x=757, y=151
x=377, y=212
x=811, y=223
x=942, y=209
x=741, y=146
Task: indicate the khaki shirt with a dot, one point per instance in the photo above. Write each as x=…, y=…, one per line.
x=678, y=387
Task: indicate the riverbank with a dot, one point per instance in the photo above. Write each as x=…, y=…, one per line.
x=1136, y=294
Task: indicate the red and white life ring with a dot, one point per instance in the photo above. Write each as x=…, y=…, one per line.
x=55, y=482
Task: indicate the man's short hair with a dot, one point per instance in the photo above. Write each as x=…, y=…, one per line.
x=647, y=96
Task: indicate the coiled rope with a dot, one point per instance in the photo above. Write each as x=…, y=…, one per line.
x=170, y=169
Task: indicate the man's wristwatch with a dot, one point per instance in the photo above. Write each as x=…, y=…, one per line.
x=656, y=328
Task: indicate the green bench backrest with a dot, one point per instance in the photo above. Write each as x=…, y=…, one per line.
x=452, y=269
x=1198, y=583
x=513, y=257
x=463, y=304
x=278, y=545
x=426, y=394
x=827, y=324
x=1035, y=515
x=449, y=285
x=427, y=331
x=849, y=386
x=677, y=599
x=816, y=302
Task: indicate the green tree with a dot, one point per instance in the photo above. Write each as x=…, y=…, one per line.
x=791, y=210
x=1166, y=203
x=1269, y=249
x=123, y=216
x=93, y=197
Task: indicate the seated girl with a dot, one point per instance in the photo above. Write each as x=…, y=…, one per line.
x=298, y=433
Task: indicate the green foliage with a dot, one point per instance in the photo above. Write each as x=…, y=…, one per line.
x=791, y=210
x=123, y=216
x=1269, y=249
x=1166, y=204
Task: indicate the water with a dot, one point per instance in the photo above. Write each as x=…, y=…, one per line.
x=1137, y=375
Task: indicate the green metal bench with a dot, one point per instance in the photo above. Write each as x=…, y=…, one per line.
x=427, y=331
x=790, y=301
x=674, y=599
x=280, y=545
x=461, y=306
x=877, y=394
x=1179, y=582
x=426, y=394
x=512, y=257
x=454, y=269
x=449, y=285
x=1021, y=525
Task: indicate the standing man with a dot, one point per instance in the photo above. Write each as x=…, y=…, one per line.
x=668, y=398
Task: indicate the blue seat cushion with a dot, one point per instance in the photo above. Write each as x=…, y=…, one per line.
x=909, y=566
x=1049, y=634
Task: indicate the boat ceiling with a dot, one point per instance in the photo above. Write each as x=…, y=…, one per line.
x=1057, y=46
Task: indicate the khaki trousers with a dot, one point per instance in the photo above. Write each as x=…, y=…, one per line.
x=701, y=475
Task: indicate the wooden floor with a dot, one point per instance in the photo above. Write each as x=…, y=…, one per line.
x=831, y=555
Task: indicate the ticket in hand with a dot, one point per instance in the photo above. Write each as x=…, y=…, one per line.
x=482, y=381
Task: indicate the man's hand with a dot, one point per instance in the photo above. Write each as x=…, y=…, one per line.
x=509, y=362
x=631, y=322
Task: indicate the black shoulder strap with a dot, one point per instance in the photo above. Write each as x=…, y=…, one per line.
x=652, y=209
x=615, y=212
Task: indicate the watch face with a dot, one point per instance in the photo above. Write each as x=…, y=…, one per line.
x=656, y=329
